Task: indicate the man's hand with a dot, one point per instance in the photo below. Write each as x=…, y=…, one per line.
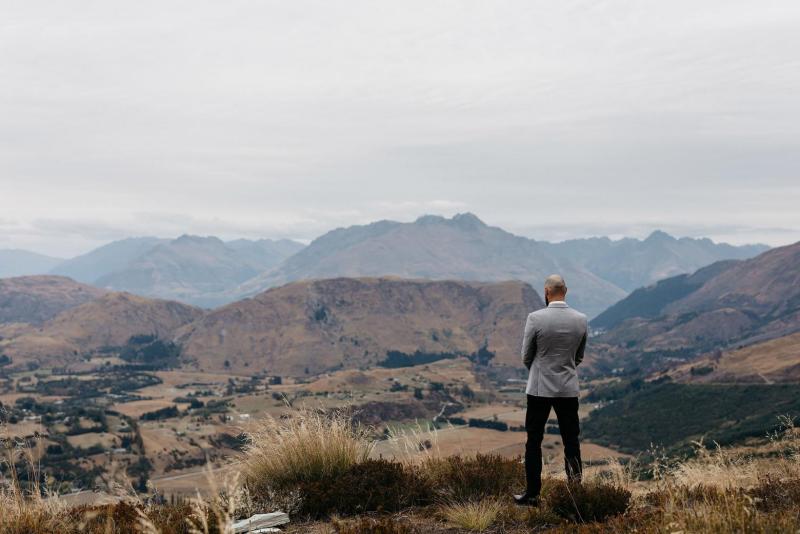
x=529, y=343
x=581, y=347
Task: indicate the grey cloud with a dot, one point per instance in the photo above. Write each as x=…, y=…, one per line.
x=285, y=119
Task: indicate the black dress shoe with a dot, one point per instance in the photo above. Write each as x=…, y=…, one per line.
x=526, y=500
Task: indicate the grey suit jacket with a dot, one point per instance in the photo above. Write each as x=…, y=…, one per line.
x=552, y=348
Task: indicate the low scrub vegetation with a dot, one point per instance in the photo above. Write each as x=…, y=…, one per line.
x=584, y=503
x=369, y=486
x=460, y=479
x=319, y=468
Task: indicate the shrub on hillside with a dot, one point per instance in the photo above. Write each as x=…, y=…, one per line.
x=127, y=517
x=540, y=519
x=586, y=502
x=369, y=486
x=774, y=494
x=457, y=478
x=380, y=525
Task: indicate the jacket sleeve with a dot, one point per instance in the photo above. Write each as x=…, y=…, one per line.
x=582, y=346
x=529, y=343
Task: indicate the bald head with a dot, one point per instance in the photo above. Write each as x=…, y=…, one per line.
x=555, y=288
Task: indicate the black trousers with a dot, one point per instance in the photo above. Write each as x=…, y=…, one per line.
x=535, y=420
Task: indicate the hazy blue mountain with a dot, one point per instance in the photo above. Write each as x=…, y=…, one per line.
x=209, y=272
x=633, y=263
x=599, y=271
x=196, y=269
x=264, y=253
x=15, y=262
x=90, y=267
x=461, y=248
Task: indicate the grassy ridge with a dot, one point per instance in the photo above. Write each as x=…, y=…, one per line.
x=672, y=415
x=315, y=468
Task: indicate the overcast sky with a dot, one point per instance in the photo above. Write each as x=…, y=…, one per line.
x=286, y=119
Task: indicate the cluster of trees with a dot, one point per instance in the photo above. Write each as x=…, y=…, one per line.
x=149, y=350
x=673, y=415
x=396, y=359
x=492, y=424
x=162, y=413
x=103, y=383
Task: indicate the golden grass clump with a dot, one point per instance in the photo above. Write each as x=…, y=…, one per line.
x=216, y=514
x=735, y=490
x=731, y=468
x=476, y=516
x=308, y=446
x=25, y=509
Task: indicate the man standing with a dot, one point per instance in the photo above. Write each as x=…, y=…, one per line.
x=552, y=348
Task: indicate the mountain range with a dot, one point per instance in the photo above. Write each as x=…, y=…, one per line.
x=311, y=326
x=299, y=329
x=727, y=304
x=632, y=263
x=208, y=272
x=599, y=271
x=194, y=269
x=15, y=262
x=90, y=267
x=190, y=269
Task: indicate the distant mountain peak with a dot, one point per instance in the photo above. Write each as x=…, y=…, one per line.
x=430, y=219
x=659, y=236
x=468, y=220
x=188, y=238
x=462, y=220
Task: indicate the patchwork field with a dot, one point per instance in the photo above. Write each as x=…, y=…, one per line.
x=171, y=426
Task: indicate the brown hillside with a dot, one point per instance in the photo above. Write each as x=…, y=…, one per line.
x=316, y=326
x=751, y=301
x=35, y=299
x=768, y=285
x=776, y=360
x=106, y=321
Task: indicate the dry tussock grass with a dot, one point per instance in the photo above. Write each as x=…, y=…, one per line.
x=475, y=516
x=308, y=446
x=25, y=509
x=717, y=491
x=731, y=468
x=416, y=443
